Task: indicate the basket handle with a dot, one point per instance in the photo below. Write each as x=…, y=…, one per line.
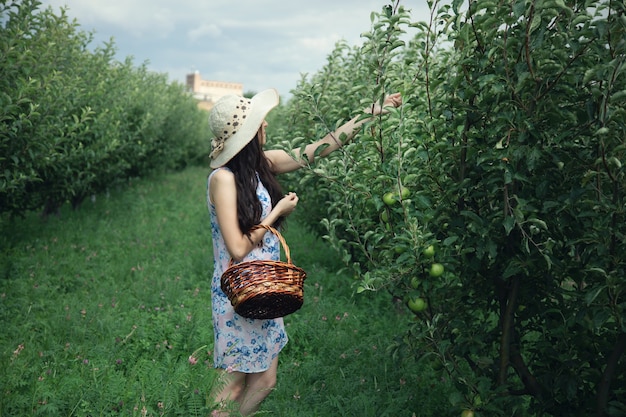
x=280, y=238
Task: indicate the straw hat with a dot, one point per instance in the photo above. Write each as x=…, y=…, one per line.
x=235, y=121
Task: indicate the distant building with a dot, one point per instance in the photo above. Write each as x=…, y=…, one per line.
x=208, y=92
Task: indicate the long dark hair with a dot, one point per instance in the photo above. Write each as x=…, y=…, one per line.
x=249, y=162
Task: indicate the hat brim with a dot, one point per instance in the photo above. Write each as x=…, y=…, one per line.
x=260, y=106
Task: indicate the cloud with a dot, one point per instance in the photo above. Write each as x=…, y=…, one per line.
x=260, y=44
x=319, y=44
x=136, y=18
x=209, y=30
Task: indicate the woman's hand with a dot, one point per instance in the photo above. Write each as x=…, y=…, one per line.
x=287, y=204
x=393, y=100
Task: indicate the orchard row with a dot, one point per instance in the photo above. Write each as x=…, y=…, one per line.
x=508, y=158
x=74, y=122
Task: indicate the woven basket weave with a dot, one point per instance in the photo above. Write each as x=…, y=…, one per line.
x=265, y=289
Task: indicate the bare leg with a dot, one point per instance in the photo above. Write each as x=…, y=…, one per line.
x=249, y=390
x=231, y=388
x=258, y=387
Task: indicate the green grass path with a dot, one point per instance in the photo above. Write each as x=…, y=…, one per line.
x=102, y=307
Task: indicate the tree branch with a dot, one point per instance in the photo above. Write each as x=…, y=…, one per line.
x=506, y=323
x=604, y=385
x=531, y=384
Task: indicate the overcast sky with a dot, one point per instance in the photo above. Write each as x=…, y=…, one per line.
x=260, y=44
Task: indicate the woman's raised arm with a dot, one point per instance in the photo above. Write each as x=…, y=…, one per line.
x=282, y=162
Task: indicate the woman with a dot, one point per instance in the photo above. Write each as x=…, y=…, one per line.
x=243, y=192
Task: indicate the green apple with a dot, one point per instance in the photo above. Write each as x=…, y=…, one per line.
x=411, y=179
x=405, y=193
x=415, y=283
x=417, y=304
x=467, y=413
x=399, y=249
x=436, y=270
x=389, y=199
x=429, y=251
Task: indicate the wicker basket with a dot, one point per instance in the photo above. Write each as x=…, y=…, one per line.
x=265, y=289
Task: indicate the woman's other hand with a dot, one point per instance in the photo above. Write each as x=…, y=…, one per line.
x=287, y=204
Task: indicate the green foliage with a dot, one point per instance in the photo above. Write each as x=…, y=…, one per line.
x=74, y=122
x=341, y=359
x=511, y=145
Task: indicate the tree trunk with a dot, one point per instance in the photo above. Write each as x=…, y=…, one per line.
x=604, y=386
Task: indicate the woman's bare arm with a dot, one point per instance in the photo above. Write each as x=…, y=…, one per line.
x=223, y=194
x=282, y=162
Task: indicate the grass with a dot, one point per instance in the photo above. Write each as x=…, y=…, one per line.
x=102, y=307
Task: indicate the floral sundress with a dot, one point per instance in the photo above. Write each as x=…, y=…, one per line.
x=242, y=344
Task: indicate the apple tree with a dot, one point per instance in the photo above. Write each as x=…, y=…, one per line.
x=495, y=195
x=75, y=122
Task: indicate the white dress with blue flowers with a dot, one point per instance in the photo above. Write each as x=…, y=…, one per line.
x=242, y=344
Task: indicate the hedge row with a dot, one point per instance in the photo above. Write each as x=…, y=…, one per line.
x=74, y=121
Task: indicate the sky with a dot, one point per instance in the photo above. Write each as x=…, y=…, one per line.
x=260, y=44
